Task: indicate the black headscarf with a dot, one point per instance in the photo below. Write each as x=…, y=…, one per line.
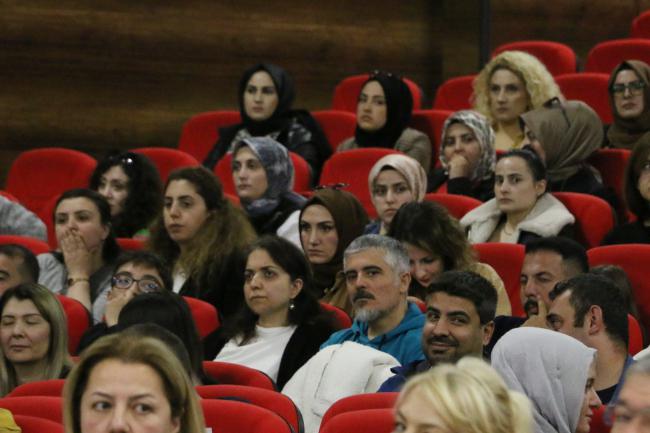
x=399, y=104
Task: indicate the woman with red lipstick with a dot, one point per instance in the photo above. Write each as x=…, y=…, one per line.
x=265, y=95
x=33, y=337
x=330, y=220
x=629, y=97
x=203, y=237
x=383, y=113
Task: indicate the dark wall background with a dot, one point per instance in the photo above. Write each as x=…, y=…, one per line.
x=128, y=74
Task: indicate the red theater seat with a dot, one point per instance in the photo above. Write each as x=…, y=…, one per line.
x=46, y=388
x=590, y=88
x=362, y=421
x=456, y=205
x=353, y=403
x=337, y=125
x=235, y=374
x=78, y=321
x=346, y=93
x=455, y=94
x=36, y=246
x=641, y=25
x=49, y=408
x=32, y=424
x=225, y=416
x=557, y=57
x=201, y=131
x=167, y=160
x=605, y=56
x=342, y=318
x=611, y=164
x=594, y=216
x=431, y=122
x=204, y=314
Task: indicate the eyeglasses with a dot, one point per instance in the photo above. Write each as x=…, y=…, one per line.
x=336, y=186
x=635, y=88
x=557, y=103
x=146, y=285
x=622, y=415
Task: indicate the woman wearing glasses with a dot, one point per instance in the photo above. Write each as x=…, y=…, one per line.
x=383, y=113
x=629, y=98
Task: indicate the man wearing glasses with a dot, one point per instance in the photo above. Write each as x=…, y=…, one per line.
x=631, y=413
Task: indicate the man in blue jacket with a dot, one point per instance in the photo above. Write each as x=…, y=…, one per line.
x=377, y=277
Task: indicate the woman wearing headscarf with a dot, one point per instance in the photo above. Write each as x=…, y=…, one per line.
x=629, y=97
x=467, y=157
x=383, y=114
x=265, y=95
x=555, y=371
x=263, y=176
x=330, y=220
x=393, y=181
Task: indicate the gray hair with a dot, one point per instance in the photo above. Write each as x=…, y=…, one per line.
x=395, y=254
x=640, y=366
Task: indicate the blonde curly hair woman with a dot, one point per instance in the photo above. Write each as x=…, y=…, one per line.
x=511, y=84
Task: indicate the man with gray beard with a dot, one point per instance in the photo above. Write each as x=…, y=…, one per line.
x=377, y=279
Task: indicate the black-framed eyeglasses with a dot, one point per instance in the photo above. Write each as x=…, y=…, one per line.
x=123, y=281
x=635, y=88
x=337, y=186
x=557, y=103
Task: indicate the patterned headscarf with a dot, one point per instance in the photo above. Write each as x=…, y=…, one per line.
x=480, y=127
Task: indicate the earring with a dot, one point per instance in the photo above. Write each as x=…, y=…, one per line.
x=291, y=304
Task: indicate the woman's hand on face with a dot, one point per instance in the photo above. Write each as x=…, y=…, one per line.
x=77, y=256
x=458, y=166
x=116, y=300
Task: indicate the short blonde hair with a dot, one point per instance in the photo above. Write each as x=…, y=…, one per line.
x=135, y=349
x=471, y=397
x=540, y=84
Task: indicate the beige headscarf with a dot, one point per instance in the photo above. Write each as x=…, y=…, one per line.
x=408, y=167
x=625, y=133
x=569, y=133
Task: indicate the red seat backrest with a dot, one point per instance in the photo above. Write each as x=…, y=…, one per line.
x=456, y=205
x=557, y=57
x=235, y=374
x=611, y=164
x=507, y=260
x=201, y=131
x=590, y=88
x=597, y=424
x=167, y=160
x=640, y=27
x=353, y=403
x=361, y=421
x=36, y=246
x=594, y=216
x=78, y=321
x=51, y=388
x=346, y=93
x=226, y=416
x=336, y=124
x=635, y=336
x=605, y=56
x=32, y=424
x=130, y=244
x=8, y=196
x=352, y=167
x=205, y=316
x=50, y=408
x=455, y=94
x=430, y=122
x=342, y=318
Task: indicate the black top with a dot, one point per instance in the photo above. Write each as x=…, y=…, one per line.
x=630, y=233
x=502, y=324
x=585, y=182
x=483, y=190
x=269, y=223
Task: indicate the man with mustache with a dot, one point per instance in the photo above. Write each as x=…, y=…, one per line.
x=377, y=279
x=459, y=322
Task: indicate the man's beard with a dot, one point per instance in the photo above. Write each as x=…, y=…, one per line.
x=368, y=315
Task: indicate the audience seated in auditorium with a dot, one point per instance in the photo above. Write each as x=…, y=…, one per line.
x=556, y=372
x=132, y=186
x=522, y=209
x=436, y=243
x=282, y=324
x=383, y=114
x=15, y=219
x=18, y=265
x=467, y=156
x=329, y=221
x=82, y=266
x=629, y=414
x=591, y=309
x=265, y=95
x=33, y=337
x=468, y=397
x=511, y=84
x=637, y=197
x=377, y=276
x=263, y=176
x=459, y=322
x=629, y=96
x=393, y=181
x=203, y=237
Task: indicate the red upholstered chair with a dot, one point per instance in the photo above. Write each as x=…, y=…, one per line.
x=352, y=167
x=32, y=424
x=235, y=374
x=640, y=27
x=597, y=424
x=201, y=131
x=361, y=421
x=8, y=196
x=205, y=316
x=34, y=245
x=167, y=160
x=594, y=216
x=301, y=181
x=346, y=93
x=456, y=205
x=271, y=400
x=337, y=125
x=604, y=56
x=40, y=174
x=46, y=388
x=455, y=94
x=341, y=317
x=634, y=259
x=611, y=164
x=130, y=244
x=78, y=321
x=557, y=57
x=507, y=260
x=430, y=122
x=50, y=408
x=635, y=337
x=226, y=416
x=353, y=403
x=590, y=88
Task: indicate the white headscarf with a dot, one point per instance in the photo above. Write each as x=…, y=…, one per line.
x=551, y=369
